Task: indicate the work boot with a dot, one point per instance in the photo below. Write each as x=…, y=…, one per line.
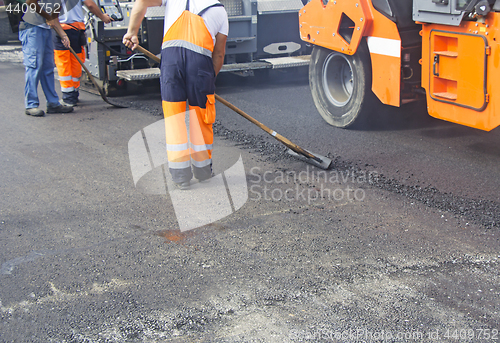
x=35, y=112
x=207, y=179
x=204, y=173
x=59, y=108
x=68, y=103
x=182, y=185
x=70, y=98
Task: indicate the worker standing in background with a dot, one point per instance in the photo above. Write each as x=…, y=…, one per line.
x=38, y=56
x=193, y=49
x=68, y=67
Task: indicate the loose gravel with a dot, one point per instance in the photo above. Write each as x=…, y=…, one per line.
x=478, y=211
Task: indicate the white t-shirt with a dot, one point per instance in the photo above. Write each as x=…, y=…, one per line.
x=73, y=12
x=215, y=18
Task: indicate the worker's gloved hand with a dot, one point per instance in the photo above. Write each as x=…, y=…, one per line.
x=130, y=41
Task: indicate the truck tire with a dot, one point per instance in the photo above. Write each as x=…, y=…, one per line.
x=341, y=85
x=5, y=30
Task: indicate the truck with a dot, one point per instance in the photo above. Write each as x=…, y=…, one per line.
x=393, y=52
x=263, y=34
x=9, y=22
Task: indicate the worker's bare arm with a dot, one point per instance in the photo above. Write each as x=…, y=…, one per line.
x=130, y=39
x=92, y=6
x=38, y=9
x=52, y=20
x=219, y=52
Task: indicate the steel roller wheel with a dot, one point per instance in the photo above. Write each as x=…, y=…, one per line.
x=341, y=86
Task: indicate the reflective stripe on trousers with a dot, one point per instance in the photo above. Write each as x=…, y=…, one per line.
x=187, y=73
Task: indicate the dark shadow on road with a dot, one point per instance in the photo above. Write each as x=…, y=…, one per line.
x=414, y=116
x=486, y=148
x=450, y=130
x=488, y=144
x=407, y=117
x=490, y=140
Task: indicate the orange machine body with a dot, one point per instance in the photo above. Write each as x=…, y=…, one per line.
x=459, y=65
x=458, y=62
x=322, y=25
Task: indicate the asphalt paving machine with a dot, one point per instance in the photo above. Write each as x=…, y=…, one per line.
x=263, y=34
x=396, y=51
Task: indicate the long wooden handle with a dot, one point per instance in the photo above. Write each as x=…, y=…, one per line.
x=273, y=133
x=84, y=68
x=148, y=53
x=91, y=77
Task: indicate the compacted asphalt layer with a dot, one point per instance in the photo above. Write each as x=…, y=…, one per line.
x=397, y=242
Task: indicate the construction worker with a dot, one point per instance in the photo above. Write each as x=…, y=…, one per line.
x=68, y=67
x=194, y=43
x=38, y=56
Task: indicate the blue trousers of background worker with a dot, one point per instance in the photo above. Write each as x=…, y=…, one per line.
x=38, y=54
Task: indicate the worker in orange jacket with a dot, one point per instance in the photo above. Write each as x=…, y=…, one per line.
x=193, y=48
x=68, y=67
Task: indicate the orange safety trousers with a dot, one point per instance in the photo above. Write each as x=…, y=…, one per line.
x=188, y=77
x=69, y=70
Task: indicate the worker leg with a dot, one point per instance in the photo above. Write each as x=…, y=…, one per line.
x=179, y=160
x=38, y=58
x=29, y=37
x=47, y=71
x=200, y=87
x=173, y=95
x=64, y=62
x=76, y=73
x=202, y=138
x=68, y=67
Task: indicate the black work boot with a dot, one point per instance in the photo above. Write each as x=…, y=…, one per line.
x=70, y=98
x=59, y=108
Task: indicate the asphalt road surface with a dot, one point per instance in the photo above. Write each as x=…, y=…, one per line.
x=398, y=242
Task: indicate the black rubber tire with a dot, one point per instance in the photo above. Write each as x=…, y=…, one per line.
x=342, y=103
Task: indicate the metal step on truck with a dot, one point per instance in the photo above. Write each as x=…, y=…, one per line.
x=396, y=51
x=263, y=34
